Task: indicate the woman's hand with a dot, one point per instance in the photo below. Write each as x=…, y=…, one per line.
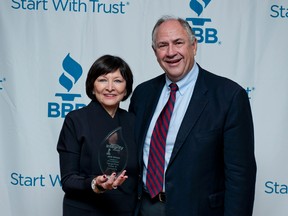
x=103, y=182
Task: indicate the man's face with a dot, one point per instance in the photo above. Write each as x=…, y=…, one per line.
x=173, y=50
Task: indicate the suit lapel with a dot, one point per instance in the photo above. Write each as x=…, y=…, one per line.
x=194, y=110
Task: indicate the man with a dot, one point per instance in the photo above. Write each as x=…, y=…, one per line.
x=210, y=168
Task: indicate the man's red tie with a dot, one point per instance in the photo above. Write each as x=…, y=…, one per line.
x=156, y=160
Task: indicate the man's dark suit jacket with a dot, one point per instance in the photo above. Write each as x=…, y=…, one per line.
x=212, y=169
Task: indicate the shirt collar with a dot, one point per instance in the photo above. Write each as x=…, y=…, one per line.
x=188, y=79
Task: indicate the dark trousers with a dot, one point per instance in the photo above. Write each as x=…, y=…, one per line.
x=151, y=207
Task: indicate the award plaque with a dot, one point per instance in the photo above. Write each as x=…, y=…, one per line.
x=113, y=153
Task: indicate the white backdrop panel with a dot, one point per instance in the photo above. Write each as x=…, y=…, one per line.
x=243, y=40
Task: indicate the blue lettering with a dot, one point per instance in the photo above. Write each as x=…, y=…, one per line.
x=107, y=8
x=18, y=179
x=211, y=35
x=269, y=186
x=279, y=11
x=275, y=187
x=66, y=108
x=55, y=180
x=284, y=189
x=17, y=5
x=53, y=110
x=30, y=4
x=56, y=110
x=115, y=8
x=60, y=4
x=14, y=177
x=198, y=34
x=70, y=5
x=273, y=9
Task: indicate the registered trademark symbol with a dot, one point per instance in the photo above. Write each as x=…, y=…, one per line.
x=219, y=42
x=128, y=3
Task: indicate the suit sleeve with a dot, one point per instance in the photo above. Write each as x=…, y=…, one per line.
x=240, y=165
x=69, y=149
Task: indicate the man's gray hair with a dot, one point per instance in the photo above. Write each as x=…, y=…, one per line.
x=183, y=23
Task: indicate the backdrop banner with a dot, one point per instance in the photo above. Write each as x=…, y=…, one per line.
x=48, y=46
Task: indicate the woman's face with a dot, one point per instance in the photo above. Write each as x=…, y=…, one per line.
x=109, y=90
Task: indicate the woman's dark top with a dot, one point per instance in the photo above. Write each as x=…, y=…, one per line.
x=82, y=133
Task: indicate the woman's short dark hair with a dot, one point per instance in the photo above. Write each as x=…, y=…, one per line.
x=104, y=65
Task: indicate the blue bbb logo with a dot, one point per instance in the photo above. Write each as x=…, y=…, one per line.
x=70, y=76
x=75, y=71
x=206, y=35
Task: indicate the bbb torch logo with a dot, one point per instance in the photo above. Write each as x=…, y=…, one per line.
x=202, y=33
x=70, y=76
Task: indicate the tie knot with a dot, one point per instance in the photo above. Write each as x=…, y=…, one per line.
x=173, y=87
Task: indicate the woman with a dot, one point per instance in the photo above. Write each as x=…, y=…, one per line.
x=87, y=190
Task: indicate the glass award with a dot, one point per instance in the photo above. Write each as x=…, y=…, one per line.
x=113, y=153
